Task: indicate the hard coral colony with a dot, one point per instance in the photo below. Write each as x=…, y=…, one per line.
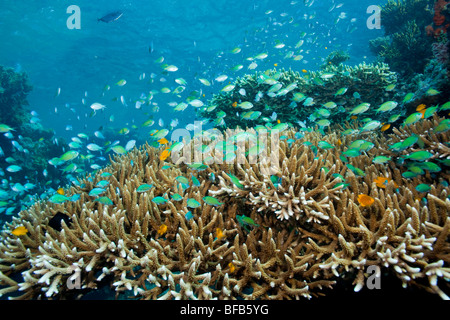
x=267, y=237
x=366, y=184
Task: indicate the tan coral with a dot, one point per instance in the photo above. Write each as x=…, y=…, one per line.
x=306, y=231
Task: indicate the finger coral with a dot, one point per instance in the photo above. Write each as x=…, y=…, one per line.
x=284, y=226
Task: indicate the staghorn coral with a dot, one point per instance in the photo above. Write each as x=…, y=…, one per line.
x=308, y=231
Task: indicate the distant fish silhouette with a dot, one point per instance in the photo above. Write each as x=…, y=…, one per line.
x=113, y=16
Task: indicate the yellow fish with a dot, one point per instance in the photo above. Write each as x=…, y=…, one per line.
x=420, y=107
x=232, y=267
x=20, y=231
x=162, y=229
x=163, y=141
x=365, y=200
x=385, y=127
x=164, y=155
x=219, y=233
x=381, y=182
x=60, y=191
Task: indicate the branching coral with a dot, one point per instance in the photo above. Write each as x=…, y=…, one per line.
x=303, y=228
x=396, y=12
x=406, y=46
x=368, y=81
x=408, y=49
x=336, y=57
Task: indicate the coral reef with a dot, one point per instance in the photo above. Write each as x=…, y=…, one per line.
x=282, y=227
x=336, y=58
x=441, y=51
x=441, y=20
x=405, y=46
x=24, y=142
x=14, y=88
x=275, y=89
x=405, y=51
x=395, y=13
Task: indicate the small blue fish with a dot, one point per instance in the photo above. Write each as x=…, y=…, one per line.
x=188, y=215
x=159, y=200
x=144, y=187
x=58, y=198
x=176, y=197
x=195, y=181
x=96, y=191
x=192, y=203
x=212, y=201
x=104, y=200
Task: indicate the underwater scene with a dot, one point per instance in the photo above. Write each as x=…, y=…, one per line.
x=224, y=150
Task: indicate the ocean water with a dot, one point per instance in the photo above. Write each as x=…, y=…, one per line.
x=196, y=36
x=117, y=83
x=71, y=68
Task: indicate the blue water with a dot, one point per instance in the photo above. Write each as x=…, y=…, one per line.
x=70, y=68
x=196, y=36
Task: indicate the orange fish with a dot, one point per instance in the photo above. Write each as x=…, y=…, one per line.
x=420, y=107
x=60, y=191
x=234, y=104
x=162, y=229
x=219, y=233
x=353, y=117
x=278, y=121
x=232, y=267
x=275, y=64
x=304, y=71
x=339, y=142
x=164, y=155
x=385, y=127
x=365, y=200
x=381, y=182
x=422, y=111
x=20, y=231
x=163, y=141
